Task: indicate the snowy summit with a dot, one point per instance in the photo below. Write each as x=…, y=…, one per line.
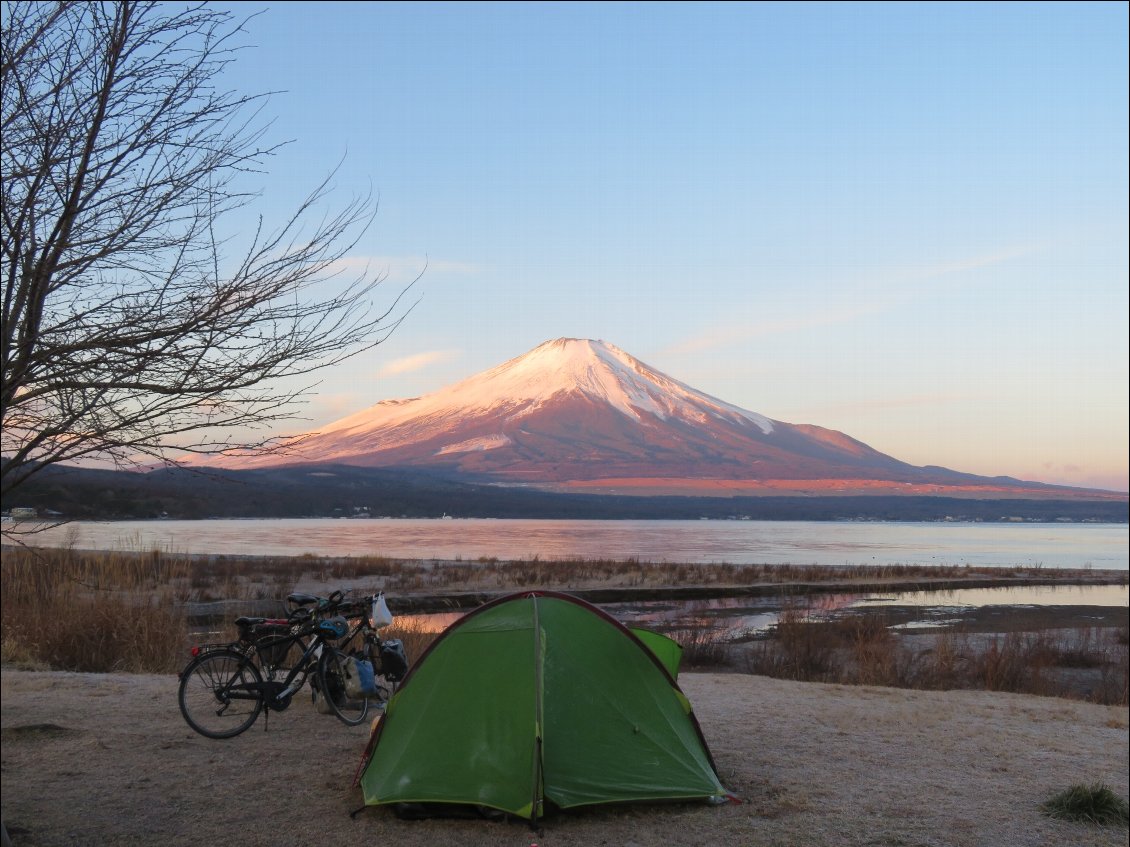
x=582, y=413
x=565, y=367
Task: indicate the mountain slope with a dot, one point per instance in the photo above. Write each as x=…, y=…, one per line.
x=577, y=412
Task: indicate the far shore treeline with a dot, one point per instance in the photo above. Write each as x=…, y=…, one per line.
x=76, y=493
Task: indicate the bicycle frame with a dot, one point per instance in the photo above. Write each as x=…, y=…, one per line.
x=276, y=694
x=225, y=687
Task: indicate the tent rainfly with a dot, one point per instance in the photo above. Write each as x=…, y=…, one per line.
x=533, y=699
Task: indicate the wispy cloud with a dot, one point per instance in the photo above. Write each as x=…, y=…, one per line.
x=410, y=364
x=339, y=404
x=880, y=292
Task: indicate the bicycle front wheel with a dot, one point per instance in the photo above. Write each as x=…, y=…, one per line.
x=220, y=694
x=331, y=679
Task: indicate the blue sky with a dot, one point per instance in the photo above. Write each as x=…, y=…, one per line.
x=905, y=222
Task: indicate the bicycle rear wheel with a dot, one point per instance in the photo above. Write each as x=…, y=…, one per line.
x=331, y=679
x=220, y=693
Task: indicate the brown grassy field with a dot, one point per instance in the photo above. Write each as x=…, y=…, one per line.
x=1088, y=663
x=111, y=612
x=103, y=757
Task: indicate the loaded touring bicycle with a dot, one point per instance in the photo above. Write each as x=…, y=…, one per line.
x=332, y=642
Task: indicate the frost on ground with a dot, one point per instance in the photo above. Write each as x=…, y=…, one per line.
x=106, y=759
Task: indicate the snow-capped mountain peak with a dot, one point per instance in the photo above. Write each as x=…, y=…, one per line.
x=596, y=370
x=601, y=372
x=577, y=411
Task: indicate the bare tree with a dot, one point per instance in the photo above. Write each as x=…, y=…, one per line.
x=128, y=329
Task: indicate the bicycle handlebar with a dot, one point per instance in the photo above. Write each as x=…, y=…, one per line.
x=337, y=603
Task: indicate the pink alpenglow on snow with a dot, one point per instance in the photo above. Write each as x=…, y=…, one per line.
x=585, y=415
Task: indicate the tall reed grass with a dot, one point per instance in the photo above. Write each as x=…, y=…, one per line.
x=416, y=636
x=79, y=611
x=83, y=612
x=1082, y=663
x=701, y=648
x=217, y=577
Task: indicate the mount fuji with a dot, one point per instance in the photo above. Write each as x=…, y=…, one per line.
x=583, y=415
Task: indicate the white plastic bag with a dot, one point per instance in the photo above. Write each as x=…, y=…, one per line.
x=381, y=615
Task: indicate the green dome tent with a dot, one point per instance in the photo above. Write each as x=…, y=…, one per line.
x=667, y=650
x=537, y=697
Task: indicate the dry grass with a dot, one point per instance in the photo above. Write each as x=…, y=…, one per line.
x=701, y=648
x=1092, y=804
x=93, y=613
x=70, y=610
x=415, y=635
x=633, y=573
x=241, y=577
x=1082, y=663
x=101, y=612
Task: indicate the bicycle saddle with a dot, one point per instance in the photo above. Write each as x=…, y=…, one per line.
x=302, y=599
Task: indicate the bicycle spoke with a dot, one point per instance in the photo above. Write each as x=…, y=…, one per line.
x=220, y=694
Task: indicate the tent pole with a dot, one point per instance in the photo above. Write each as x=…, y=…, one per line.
x=535, y=800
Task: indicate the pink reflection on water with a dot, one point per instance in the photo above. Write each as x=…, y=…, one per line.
x=428, y=623
x=1100, y=546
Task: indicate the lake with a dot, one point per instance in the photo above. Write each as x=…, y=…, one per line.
x=1052, y=545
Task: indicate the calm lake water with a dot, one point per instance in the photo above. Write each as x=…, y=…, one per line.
x=1053, y=545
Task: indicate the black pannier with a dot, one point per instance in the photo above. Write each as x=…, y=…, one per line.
x=272, y=640
x=394, y=661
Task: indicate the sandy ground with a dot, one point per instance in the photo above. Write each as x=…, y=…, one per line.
x=814, y=765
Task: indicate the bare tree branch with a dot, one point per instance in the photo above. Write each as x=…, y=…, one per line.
x=128, y=330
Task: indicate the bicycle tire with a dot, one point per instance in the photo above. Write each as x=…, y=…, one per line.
x=220, y=694
x=331, y=681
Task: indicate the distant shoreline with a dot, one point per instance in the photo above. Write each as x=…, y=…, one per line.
x=344, y=491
